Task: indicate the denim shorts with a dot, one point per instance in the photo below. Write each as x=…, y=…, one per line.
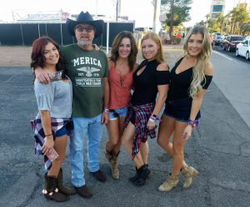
x=61, y=132
x=179, y=109
x=115, y=113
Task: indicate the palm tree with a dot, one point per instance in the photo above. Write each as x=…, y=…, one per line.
x=220, y=19
x=239, y=16
x=245, y=28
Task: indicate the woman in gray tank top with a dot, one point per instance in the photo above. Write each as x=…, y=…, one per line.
x=53, y=122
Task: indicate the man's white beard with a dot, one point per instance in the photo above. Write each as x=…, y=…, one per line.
x=84, y=43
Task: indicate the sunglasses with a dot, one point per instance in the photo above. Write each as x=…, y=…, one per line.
x=87, y=28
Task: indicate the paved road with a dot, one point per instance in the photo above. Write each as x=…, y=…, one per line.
x=231, y=55
x=232, y=75
x=220, y=150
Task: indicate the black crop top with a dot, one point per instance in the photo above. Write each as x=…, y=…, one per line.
x=146, y=83
x=180, y=83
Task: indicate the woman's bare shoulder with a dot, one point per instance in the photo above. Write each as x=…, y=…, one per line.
x=162, y=67
x=209, y=69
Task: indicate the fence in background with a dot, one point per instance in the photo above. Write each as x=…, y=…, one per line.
x=25, y=33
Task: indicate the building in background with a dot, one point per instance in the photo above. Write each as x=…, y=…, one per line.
x=60, y=16
x=217, y=6
x=28, y=16
x=242, y=3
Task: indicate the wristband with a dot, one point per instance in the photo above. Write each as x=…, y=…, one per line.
x=153, y=118
x=193, y=123
x=106, y=110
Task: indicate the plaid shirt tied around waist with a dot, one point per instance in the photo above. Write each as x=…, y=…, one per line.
x=142, y=114
x=39, y=135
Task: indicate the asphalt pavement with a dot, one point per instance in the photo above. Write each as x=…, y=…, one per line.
x=219, y=149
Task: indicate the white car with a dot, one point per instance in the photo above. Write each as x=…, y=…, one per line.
x=243, y=49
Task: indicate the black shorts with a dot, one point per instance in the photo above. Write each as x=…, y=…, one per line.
x=179, y=109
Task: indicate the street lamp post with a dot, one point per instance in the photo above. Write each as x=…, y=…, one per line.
x=156, y=14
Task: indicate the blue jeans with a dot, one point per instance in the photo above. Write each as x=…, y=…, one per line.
x=92, y=129
x=115, y=113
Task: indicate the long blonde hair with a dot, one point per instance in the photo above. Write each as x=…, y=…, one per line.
x=159, y=57
x=202, y=61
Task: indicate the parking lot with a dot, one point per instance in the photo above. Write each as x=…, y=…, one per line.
x=219, y=149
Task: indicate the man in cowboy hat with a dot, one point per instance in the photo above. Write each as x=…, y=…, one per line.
x=88, y=70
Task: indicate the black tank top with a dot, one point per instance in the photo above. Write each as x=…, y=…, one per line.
x=146, y=83
x=181, y=82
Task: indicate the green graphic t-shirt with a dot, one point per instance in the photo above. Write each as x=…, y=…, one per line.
x=86, y=70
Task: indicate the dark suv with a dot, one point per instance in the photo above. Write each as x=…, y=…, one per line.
x=231, y=42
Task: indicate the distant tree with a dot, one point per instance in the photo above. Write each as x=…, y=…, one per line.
x=220, y=20
x=231, y=23
x=177, y=12
x=245, y=28
x=201, y=23
x=238, y=16
x=212, y=25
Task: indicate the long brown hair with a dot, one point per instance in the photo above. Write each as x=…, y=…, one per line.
x=37, y=54
x=115, y=47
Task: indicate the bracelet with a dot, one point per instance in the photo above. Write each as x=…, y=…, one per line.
x=48, y=135
x=193, y=123
x=106, y=110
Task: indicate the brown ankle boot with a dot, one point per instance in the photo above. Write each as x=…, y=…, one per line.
x=169, y=184
x=114, y=165
x=51, y=191
x=189, y=173
x=63, y=189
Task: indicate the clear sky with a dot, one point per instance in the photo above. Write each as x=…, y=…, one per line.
x=139, y=10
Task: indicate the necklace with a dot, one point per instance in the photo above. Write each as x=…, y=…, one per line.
x=122, y=64
x=122, y=68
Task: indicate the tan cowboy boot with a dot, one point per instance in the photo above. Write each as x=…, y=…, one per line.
x=108, y=155
x=169, y=184
x=114, y=166
x=112, y=158
x=189, y=173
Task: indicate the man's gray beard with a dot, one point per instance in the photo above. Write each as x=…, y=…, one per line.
x=84, y=43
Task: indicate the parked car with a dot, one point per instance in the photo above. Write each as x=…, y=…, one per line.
x=231, y=42
x=216, y=38
x=243, y=49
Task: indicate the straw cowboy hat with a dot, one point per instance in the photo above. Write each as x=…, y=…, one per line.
x=87, y=19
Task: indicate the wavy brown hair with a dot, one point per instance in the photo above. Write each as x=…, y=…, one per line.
x=116, y=44
x=37, y=54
